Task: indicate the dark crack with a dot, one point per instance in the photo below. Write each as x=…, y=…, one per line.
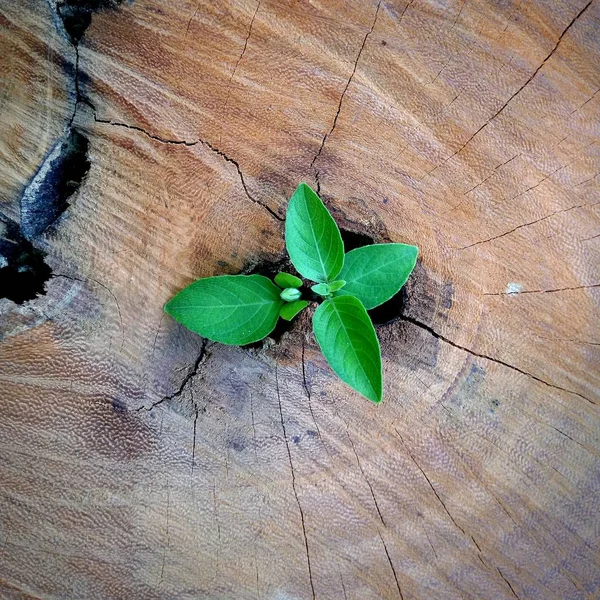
x=75, y=85
x=188, y=144
x=191, y=374
x=58, y=178
x=287, y=445
x=409, y=4
x=241, y=176
x=239, y=60
x=590, y=238
x=146, y=133
x=496, y=237
x=582, y=105
x=366, y=478
x=544, y=61
x=490, y=358
x=572, y=439
x=391, y=566
x=429, y=540
x=339, y=107
x=343, y=587
x=217, y=520
x=308, y=395
x=451, y=29
x=431, y=485
x=492, y=173
x=257, y=579
x=508, y=584
x=479, y=553
x=587, y=180
x=76, y=15
x=513, y=96
x=253, y=427
x=23, y=269
x=187, y=29
x=539, y=182
x=167, y=534
x=435, y=78
x=196, y=411
x=552, y=291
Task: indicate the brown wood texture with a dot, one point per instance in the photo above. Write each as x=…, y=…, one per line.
x=139, y=461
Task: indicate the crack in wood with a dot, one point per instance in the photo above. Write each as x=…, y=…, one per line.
x=490, y=358
x=551, y=291
x=539, y=182
x=343, y=587
x=188, y=144
x=309, y=396
x=289, y=453
x=365, y=478
x=167, y=543
x=253, y=427
x=492, y=174
x=218, y=524
x=496, y=237
x=515, y=94
x=187, y=29
x=508, y=584
x=391, y=566
x=586, y=181
x=239, y=60
x=430, y=484
x=194, y=436
x=427, y=536
x=339, y=107
x=582, y=105
x=590, y=238
x=453, y=53
x=203, y=356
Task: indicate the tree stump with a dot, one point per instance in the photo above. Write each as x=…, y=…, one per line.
x=146, y=144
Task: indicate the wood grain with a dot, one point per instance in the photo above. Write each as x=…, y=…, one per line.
x=140, y=461
x=36, y=97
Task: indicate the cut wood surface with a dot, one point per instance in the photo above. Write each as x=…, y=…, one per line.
x=161, y=144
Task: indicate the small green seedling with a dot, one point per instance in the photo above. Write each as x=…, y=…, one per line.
x=240, y=309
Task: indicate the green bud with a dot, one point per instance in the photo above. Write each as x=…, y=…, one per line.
x=290, y=294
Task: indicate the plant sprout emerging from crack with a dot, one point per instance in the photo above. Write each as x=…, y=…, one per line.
x=241, y=309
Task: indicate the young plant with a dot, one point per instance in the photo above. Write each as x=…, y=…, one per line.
x=241, y=309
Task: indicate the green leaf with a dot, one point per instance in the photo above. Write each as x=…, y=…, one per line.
x=325, y=289
x=291, y=309
x=290, y=294
x=348, y=341
x=320, y=288
x=375, y=273
x=312, y=237
x=334, y=286
x=231, y=309
x=287, y=280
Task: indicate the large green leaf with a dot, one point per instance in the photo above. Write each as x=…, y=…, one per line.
x=349, y=343
x=375, y=273
x=312, y=237
x=231, y=309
